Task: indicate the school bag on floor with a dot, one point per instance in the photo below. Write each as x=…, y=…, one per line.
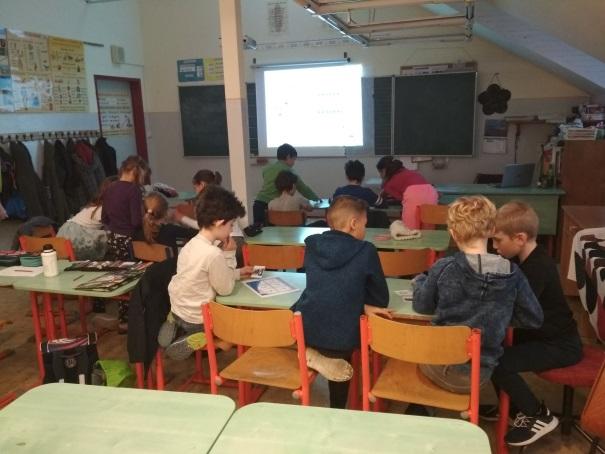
x=70, y=360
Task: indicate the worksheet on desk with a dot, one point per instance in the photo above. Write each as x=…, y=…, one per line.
x=271, y=286
x=21, y=271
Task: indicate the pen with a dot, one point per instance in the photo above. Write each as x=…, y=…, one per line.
x=23, y=271
x=80, y=276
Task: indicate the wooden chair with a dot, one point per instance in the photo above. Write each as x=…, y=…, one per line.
x=431, y=215
x=44, y=231
x=593, y=415
x=286, y=218
x=407, y=262
x=406, y=345
x=65, y=251
x=274, y=257
x=142, y=250
x=265, y=340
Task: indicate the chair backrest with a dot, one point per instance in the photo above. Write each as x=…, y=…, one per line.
x=43, y=231
x=252, y=328
x=432, y=214
x=150, y=252
x=286, y=218
x=421, y=344
x=62, y=245
x=405, y=263
x=593, y=415
x=275, y=257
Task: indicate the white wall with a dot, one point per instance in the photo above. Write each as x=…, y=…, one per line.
x=110, y=23
x=192, y=31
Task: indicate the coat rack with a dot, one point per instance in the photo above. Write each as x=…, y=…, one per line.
x=44, y=135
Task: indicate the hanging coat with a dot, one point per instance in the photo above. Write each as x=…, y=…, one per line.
x=28, y=182
x=107, y=155
x=89, y=167
x=74, y=190
x=50, y=179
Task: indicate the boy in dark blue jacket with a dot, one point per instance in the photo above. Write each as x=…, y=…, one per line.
x=475, y=289
x=344, y=279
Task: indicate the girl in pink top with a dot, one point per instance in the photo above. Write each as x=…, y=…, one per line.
x=407, y=186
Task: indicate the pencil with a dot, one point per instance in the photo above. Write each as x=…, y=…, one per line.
x=80, y=276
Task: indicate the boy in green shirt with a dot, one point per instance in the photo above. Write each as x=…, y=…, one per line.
x=286, y=157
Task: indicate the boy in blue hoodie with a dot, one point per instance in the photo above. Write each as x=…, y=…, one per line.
x=344, y=280
x=476, y=289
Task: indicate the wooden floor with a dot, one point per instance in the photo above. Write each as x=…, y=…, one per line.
x=18, y=372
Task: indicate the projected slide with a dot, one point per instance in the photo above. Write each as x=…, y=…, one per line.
x=314, y=107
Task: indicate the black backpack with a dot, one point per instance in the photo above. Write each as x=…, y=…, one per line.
x=70, y=360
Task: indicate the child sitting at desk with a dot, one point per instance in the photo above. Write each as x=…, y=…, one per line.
x=476, y=289
x=204, y=269
x=344, y=278
x=288, y=199
x=286, y=157
x=555, y=344
x=355, y=172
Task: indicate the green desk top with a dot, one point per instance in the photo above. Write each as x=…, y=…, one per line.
x=486, y=189
x=437, y=240
x=278, y=428
x=243, y=296
x=66, y=418
x=67, y=281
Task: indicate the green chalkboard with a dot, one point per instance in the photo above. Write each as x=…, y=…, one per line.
x=204, y=120
x=435, y=114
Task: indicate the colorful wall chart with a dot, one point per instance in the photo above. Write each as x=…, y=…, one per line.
x=116, y=113
x=39, y=73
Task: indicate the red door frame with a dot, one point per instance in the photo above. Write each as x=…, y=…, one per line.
x=136, y=94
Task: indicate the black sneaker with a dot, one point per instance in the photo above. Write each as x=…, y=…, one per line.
x=528, y=429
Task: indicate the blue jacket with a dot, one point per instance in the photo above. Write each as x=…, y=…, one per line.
x=343, y=274
x=490, y=301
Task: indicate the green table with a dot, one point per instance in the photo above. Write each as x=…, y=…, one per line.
x=437, y=240
x=66, y=418
x=277, y=428
x=244, y=296
x=183, y=196
x=544, y=201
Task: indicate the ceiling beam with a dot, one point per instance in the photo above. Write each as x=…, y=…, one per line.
x=319, y=7
x=407, y=24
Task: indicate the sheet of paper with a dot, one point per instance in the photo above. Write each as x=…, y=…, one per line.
x=21, y=271
x=271, y=286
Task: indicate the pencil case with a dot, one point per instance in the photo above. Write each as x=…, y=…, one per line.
x=31, y=260
x=9, y=260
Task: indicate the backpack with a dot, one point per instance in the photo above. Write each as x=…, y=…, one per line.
x=70, y=360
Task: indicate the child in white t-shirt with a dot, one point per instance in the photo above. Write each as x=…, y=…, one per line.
x=206, y=267
x=288, y=200
x=85, y=229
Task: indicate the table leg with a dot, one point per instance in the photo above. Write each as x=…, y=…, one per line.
x=49, y=318
x=37, y=332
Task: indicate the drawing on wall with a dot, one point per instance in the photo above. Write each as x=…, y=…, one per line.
x=116, y=113
x=277, y=14
x=30, y=71
x=70, y=93
x=6, y=84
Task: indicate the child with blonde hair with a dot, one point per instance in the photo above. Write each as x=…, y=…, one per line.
x=476, y=289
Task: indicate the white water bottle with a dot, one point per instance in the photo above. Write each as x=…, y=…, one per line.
x=50, y=267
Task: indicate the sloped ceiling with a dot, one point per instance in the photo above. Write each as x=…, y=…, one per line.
x=564, y=37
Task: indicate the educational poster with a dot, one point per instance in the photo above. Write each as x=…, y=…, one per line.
x=495, y=134
x=190, y=70
x=30, y=71
x=116, y=113
x=69, y=88
x=6, y=84
x=213, y=67
x=277, y=15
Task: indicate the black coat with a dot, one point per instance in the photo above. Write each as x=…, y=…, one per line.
x=107, y=155
x=28, y=182
x=148, y=308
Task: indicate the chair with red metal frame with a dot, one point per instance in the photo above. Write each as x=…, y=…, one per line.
x=431, y=215
x=274, y=257
x=408, y=262
x=265, y=355
x=64, y=250
x=593, y=415
x=580, y=375
x=407, y=345
x=286, y=218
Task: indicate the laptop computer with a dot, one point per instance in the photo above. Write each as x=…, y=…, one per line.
x=517, y=175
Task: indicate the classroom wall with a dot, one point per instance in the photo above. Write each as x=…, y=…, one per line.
x=190, y=29
x=110, y=23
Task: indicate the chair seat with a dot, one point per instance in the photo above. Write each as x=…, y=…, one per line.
x=405, y=382
x=266, y=366
x=580, y=375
